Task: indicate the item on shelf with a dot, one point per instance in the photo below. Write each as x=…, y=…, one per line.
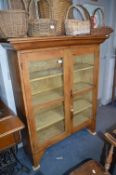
x=59, y=9
x=77, y=26
x=41, y=26
x=96, y=29
x=13, y=23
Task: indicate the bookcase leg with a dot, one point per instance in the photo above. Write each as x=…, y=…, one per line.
x=35, y=168
x=92, y=132
x=92, y=129
x=36, y=160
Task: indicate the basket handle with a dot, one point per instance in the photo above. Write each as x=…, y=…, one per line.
x=23, y=2
x=102, y=13
x=36, y=9
x=78, y=9
x=25, y=6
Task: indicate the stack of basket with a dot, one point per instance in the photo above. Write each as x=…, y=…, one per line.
x=47, y=18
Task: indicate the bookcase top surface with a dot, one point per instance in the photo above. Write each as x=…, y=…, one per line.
x=54, y=41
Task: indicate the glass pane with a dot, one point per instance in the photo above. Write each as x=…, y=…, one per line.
x=50, y=132
x=82, y=108
x=82, y=117
x=49, y=122
x=83, y=72
x=46, y=79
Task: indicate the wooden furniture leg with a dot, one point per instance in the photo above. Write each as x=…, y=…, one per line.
x=109, y=159
x=111, y=138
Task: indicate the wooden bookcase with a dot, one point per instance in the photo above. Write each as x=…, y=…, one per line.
x=55, y=82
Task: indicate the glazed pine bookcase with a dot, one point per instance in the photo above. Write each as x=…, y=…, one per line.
x=55, y=82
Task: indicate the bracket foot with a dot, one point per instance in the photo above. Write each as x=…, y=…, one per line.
x=92, y=133
x=35, y=168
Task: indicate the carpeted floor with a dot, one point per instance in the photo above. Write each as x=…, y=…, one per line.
x=80, y=146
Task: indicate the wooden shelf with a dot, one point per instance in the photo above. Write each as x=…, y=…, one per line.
x=46, y=65
x=45, y=85
x=50, y=132
x=81, y=105
x=47, y=91
x=82, y=117
x=41, y=75
x=82, y=67
x=47, y=96
x=36, y=76
x=77, y=87
x=81, y=87
x=49, y=117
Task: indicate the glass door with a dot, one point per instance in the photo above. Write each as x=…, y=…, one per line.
x=83, y=84
x=46, y=79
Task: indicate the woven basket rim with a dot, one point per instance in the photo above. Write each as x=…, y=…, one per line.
x=12, y=11
x=40, y=20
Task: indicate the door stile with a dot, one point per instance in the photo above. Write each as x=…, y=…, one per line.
x=68, y=71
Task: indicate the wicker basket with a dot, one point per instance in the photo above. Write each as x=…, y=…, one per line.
x=41, y=26
x=59, y=9
x=77, y=26
x=13, y=23
x=100, y=30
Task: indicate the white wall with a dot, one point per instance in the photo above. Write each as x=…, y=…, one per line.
x=6, y=92
x=108, y=60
